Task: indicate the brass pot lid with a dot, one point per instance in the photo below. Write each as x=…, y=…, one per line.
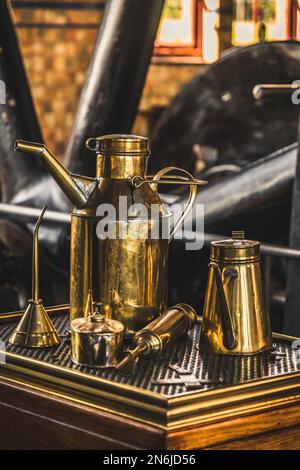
x=97, y=324
x=119, y=144
x=235, y=249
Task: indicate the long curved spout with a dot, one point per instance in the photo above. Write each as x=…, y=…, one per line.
x=76, y=188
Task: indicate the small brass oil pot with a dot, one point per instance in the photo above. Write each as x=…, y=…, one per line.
x=235, y=320
x=97, y=341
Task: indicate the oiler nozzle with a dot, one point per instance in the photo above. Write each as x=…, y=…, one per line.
x=132, y=355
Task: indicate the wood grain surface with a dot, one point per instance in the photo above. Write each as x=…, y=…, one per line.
x=37, y=420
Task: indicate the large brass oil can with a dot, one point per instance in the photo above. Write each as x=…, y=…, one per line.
x=118, y=253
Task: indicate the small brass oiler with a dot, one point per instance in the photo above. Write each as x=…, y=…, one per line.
x=151, y=340
x=97, y=341
x=35, y=329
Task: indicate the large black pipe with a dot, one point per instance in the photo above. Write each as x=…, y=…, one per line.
x=17, y=119
x=115, y=79
x=17, y=115
x=30, y=214
x=257, y=199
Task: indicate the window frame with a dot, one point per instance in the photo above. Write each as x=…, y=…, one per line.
x=186, y=51
x=292, y=19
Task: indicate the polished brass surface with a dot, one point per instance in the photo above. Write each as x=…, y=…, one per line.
x=151, y=340
x=174, y=179
x=235, y=249
x=188, y=179
x=35, y=329
x=77, y=188
x=120, y=156
x=258, y=383
x=96, y=341
x=118, y=144
x=127, y=273
x=235, y=320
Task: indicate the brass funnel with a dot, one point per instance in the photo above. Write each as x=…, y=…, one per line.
x=35, y=329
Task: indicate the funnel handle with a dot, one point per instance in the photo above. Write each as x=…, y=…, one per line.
x=229, y=337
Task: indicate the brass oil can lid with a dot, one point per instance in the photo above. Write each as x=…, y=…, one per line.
x=119, y=144
x=97, y=324
x=235, y=249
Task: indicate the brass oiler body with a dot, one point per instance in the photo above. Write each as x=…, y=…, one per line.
x=235, y=320
x=151, y=340
x=127, y=273
x=96, y=341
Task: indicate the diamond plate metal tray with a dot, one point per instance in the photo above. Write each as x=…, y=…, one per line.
x=237, y=382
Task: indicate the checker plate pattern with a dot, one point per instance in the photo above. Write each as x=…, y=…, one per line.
x=184, y=353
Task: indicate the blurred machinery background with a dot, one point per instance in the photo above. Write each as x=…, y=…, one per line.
x=181, y=72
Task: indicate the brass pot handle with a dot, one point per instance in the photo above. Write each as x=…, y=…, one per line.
x=189, y=179
x=161, y=177
x=229, y=337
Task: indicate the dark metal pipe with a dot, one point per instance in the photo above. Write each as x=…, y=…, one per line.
x=256, y=199
x=16, y=213
x=17, y=115
x=115, y=79
x=272, y=90
x=30, y=214
x=266, y=249
x=110, y=95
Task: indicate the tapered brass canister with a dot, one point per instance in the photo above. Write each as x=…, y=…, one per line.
x=118, y=253
x=235, y=319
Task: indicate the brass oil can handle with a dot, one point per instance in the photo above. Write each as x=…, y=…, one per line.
x=161, y=177
x=192, y=196
x=229, y=338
